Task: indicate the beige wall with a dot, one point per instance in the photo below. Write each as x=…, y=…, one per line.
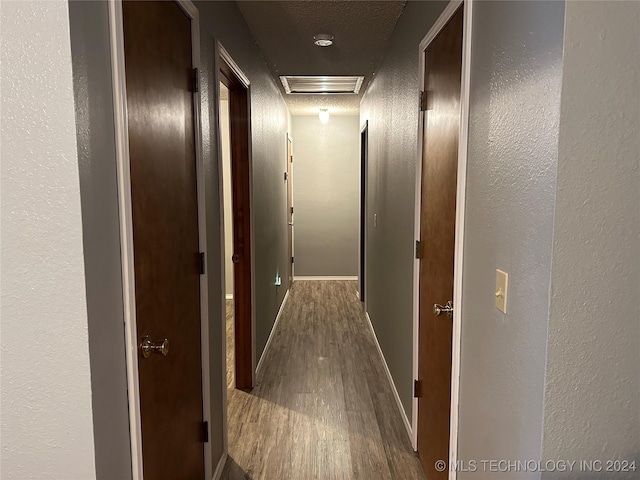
x=225, y=140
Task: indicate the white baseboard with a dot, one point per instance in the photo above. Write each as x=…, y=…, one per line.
x=403, y=414
x=273, y=329
x=223, y=460
x=324, y=278
x=229, y=296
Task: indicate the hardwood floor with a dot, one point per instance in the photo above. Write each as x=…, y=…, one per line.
x=322, y=407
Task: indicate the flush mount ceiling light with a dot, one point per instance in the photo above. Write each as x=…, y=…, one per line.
x=324, y=115
x=323, y=39
x=319, y=84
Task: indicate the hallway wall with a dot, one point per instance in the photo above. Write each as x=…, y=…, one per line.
x=594, y=322
x=269, y=123
x=390, y=104
x=516, y=75
x=46, y=416
x=326, y=195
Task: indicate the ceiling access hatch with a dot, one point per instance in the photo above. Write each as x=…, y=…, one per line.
x=320, y=84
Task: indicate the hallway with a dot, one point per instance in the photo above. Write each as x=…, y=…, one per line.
x=322, y=407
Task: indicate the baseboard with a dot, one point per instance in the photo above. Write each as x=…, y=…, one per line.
x=403, y=414
x=273, y=329
x=221, y=463
x=229, y=296
x=324, y=278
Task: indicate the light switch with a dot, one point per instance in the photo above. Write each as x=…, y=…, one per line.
x=375, y=220
x=502, y=284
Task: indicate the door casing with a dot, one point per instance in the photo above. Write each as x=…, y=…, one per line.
x=239, y=86
x=440, y=23
x=126, y=229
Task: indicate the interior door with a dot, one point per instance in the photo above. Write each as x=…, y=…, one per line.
x=364, y=153
x=437, y=235
x=290, y=206
x=159, y=81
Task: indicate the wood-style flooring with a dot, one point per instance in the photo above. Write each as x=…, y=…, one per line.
x=322, y=407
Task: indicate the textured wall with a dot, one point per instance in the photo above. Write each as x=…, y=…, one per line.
x=326, y=195
x=91, y=57
x=516, y=70
x=46, y=417
x=592, y=398
x=391, y=107
x=269, y=116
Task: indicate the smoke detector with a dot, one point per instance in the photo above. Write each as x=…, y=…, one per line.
x=323, y=39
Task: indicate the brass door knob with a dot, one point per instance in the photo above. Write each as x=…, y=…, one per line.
x=446, y=309
x=147, y=347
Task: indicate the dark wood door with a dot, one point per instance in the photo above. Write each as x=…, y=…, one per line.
x=290, y=206
x=437, y=236
x=364, y=153
x=159, y=79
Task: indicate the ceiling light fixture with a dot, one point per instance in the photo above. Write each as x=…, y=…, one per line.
x=324, y=115
x=323, y=39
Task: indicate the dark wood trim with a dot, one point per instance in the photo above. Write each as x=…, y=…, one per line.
x=240, y=125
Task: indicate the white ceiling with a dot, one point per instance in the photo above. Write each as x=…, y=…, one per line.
x=284, y=32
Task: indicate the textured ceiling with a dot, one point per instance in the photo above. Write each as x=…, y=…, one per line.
x=284, y=32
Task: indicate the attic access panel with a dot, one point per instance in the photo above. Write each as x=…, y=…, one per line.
x=319, y=84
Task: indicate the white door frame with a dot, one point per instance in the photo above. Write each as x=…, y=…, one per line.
x=293, y=230
x=362, y=262
x=221, y=52
x=446, y=15
x=126, y=229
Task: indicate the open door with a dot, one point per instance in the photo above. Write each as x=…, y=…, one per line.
x=290, y=206
x=364, y=152
x=239, y=126
x=443, y=77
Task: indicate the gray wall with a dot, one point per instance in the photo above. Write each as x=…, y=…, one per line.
x=218, y=20
x=391, y=107
x=516, y=75
x=89, y=25
x=592, y=397
x=326, y=184
x=269, y=116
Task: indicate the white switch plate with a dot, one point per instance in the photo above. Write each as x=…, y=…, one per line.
x=502, y=285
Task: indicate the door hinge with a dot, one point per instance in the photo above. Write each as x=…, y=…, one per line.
x=291, y=259
x=196, y=80
x=286, y=176
x=416, y=389
x=418, y=249
x=424, y=105
x=205, y=431
x=291, y=210
x=202, y=266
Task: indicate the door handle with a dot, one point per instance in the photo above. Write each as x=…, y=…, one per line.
x=147, y=347
x=446, y=309
x=235, y=258
x=291, y=224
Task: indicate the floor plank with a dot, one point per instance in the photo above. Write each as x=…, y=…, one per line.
x=322, y=408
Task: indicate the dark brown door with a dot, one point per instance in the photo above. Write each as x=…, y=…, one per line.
x=239, y=132
x=290, y=206
x=159, y=79
x=437, y=236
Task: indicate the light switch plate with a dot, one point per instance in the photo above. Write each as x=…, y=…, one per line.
x=502, y=285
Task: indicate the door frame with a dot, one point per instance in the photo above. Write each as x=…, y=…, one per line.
x=362, y=234
x=222, y=59
x=440, y=23
x=289, y=141
x=116, y=34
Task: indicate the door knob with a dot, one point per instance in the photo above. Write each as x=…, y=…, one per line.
x=447, y=309
x=147, y=347
x=235, y=258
